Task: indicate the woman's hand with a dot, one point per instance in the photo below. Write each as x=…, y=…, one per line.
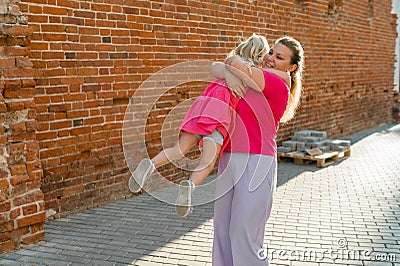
x=221, y=70
x=234, y=83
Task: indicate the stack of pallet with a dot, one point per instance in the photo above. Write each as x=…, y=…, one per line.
x=309, y=145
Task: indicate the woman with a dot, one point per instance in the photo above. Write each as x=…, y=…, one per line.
x=248, y=167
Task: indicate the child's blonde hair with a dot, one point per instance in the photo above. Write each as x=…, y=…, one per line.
x=252, y=50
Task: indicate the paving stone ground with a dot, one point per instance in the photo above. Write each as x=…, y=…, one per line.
x=347, y=213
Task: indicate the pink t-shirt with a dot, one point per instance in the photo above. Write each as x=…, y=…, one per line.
x=258, y=116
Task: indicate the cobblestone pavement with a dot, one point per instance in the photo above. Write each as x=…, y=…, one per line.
x=347, y=213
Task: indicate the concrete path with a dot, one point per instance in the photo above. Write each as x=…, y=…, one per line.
x=347, y=213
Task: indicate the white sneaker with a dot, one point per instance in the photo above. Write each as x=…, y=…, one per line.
x=183, y=204
x=142, y=171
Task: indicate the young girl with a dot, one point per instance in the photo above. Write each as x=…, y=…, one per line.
x=208, y=122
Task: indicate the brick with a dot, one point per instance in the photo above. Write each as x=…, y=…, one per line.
x=55, y=10
x=18, y=128
x=18, y=73
x=68, y=3
x=91, y=88
x=33, y=238
x=32, y=219
x=6, y=227
x=32, y=146
x=7, y=62
x=3, y=173
x=4, y=184
x=15, y=30
x=19, y=179
x=7, y=246
x=73, y=190
x=14, y=51
x=76, y=114
x=37, y=175
x=291, y=144
x=311, y=139
x=33, y=166
x=59, y=107
x=15, y=213
x=21, y=41
x=30, y=209
x=60, y=125
x=37, y=227
x=24, y=63
x=33, y=196
x=3, y=108
x=284, y=149
x=46, y=135
x=101, y=7
x=84, y=14
x=13, y=84
x=94, y=120
x=18, y=169
x=15, y=234
x=3, y=218
x=18, y=94
x=31, y=126
x=50, y=153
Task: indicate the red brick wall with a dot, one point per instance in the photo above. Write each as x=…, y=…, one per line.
x=346, y=91
x=91, y=56
x=396, y=107
x=21, y=200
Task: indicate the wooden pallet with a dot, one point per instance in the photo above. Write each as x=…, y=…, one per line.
x=327, y=158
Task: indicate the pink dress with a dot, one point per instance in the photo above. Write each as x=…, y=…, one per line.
x=213, y=109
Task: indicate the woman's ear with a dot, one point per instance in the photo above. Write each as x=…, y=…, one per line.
x=292, y=68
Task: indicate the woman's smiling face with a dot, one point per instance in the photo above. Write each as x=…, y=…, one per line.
x=279, y=57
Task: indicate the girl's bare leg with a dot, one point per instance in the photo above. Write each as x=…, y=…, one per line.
x=207, y=161
x=185, y=143
x=146, y=166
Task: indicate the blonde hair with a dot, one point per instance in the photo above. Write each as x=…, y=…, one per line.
x=252, y=50
x=297, y=59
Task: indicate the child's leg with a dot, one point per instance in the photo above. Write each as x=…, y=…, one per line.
x=208, y=159
x=146, y=166
x=185, y=143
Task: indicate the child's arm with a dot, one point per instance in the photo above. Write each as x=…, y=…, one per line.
x=283, y=75
x=236, y=79
x=235, y=84
x=251, y=76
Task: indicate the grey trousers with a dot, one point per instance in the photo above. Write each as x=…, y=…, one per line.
x=244, y=190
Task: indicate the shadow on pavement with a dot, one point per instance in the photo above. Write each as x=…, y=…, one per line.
x=124, y=233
